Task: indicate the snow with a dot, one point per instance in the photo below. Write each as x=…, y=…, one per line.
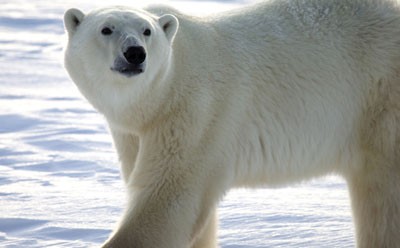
x=59, y=180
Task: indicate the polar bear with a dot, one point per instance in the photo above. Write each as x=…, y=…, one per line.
x=266, y=94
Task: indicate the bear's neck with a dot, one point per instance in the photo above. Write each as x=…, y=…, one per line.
x=192, y=45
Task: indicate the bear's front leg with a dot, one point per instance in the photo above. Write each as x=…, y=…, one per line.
x=172, y=190
x=127, y=146
x=208, y=238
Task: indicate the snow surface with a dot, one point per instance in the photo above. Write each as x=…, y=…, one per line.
x=59, y=180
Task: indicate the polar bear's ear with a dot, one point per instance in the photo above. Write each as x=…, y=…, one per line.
x=169, y=24
x=72, y=19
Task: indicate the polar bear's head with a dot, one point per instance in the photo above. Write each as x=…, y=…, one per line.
x=117, y=52
x=125, y=41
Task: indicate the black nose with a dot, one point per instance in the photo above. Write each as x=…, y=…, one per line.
x=135, y=55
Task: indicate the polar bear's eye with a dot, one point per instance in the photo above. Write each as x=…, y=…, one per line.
x=147, y=32
x=106, y=31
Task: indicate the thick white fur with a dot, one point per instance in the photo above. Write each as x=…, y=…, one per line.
x=268, y=94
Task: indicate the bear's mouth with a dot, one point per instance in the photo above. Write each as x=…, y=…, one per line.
x=128, y=71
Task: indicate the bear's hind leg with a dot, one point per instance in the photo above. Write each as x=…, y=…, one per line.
x=375, y=184
x=375, y=195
